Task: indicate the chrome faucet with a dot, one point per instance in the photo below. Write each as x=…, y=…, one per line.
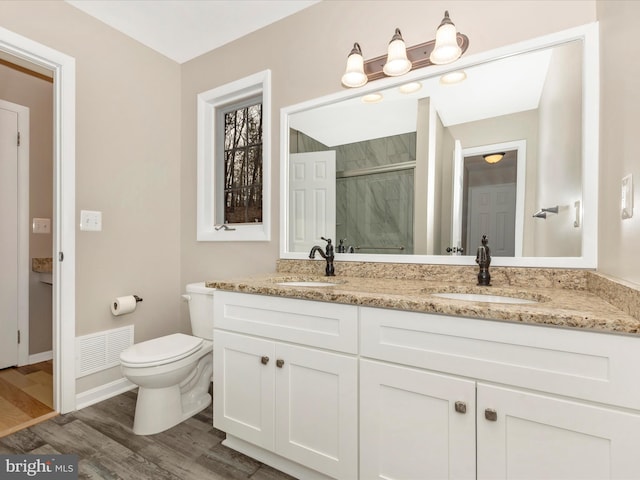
x=327, y=255
x=483, y=259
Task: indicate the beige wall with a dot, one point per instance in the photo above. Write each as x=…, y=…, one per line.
x=420, y=179
x=127, y=166
x=619, y=240
x=560, y=155
x=37, y=94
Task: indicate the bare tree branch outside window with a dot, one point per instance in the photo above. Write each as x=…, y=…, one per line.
x=243, y=165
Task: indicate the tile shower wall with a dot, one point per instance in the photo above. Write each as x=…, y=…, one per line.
x=374, y=211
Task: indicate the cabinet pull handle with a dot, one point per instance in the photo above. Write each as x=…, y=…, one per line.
x=461, y=407
x=490, y=414
x=264, y=360
x=279, y=363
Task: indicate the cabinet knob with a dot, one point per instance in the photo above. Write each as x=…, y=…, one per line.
x=264, y=360
x=461, y=407
x=279, y=363
x=490, y=414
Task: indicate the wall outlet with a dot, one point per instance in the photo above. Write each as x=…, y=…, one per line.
x=41, y=225
x=627, y=197
x=90, y=221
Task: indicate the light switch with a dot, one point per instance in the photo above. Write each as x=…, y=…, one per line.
x=41, y=225
x=90, y=221
x=627, y=197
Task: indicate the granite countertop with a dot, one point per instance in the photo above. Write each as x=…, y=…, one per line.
x=573, y=307
x=42, y=265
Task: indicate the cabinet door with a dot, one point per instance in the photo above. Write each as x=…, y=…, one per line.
x=539, y=437
x=243, y=391
x=317, y=410
x=409, y=426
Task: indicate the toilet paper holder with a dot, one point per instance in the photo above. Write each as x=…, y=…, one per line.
x=138, y=300
x=124, y=305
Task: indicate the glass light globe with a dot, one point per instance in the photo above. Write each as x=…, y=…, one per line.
x=397, y=61
x=354, y=75
x=446, y=49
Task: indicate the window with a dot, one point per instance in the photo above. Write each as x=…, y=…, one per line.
x=234, y=160
x=241, y=151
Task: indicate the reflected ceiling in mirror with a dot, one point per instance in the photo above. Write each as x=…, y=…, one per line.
x=394, y=180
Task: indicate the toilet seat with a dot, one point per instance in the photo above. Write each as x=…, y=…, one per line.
x=160, y=351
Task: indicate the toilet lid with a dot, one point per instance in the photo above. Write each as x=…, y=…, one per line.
x=161, y=350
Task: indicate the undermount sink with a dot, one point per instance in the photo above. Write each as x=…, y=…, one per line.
x=307, y=284
x=483, y=297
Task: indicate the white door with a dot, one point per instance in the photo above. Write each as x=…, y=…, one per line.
x=317, y=410
x=243, y=396
x=312, y=199
x=492, y=212
x=8, y=238
x=409, y=426
x=539, y=437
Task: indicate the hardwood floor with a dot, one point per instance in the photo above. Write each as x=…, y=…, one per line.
x=26, y=396
x=102, y=438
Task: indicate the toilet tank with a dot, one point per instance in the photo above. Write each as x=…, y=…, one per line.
x=200, y=310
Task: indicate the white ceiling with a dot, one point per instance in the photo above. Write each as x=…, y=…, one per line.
x=185, y=29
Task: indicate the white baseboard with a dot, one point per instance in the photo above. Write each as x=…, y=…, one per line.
x=40, y=357
x=103, y=392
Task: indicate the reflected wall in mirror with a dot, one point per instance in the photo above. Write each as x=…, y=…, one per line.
x=410, y=174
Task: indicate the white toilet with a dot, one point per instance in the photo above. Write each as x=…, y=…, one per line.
x=173, y=372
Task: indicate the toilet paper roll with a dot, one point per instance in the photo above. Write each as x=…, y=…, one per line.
x=122, y=305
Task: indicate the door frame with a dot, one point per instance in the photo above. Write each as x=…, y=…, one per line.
x=23, y=228
x=64, y=92
x=521, y=147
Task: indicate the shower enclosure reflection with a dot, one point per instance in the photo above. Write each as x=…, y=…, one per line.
x=373, y=192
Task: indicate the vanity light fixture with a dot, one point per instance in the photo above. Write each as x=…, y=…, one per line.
x=493, y=157
x=447, y=47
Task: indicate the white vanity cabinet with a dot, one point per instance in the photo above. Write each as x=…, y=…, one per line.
x=549, y=403
x=286, y=383
x=415, y=424
x=543, y=437
x=324, y=390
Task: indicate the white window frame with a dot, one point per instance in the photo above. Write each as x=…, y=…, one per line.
x=208, y=175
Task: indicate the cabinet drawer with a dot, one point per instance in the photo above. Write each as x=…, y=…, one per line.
x=318, y=324
x=581, y=364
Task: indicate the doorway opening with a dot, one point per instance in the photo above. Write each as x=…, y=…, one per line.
x=489, y=198
x=34, y=55
x=26, y=186
x=489, y=203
